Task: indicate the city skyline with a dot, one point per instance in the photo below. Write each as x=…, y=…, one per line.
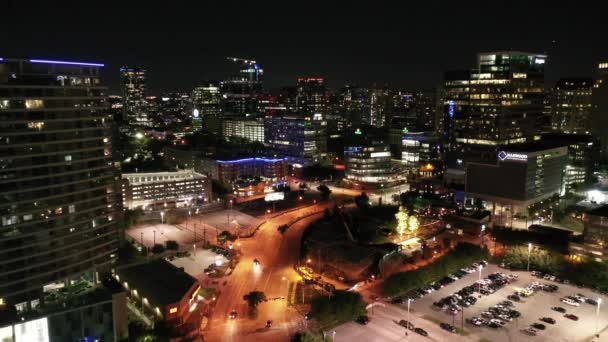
x=407, y=48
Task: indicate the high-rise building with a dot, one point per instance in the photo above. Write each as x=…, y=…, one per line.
x=240, y=92
x=300, y=139
x=379, y=107
x=600, y=108
x=500, y=102
x=367, y=157
x=311, y=96
x=206, y=103
x=133, y=83
x=250, y=129
x=59, y=202
x=571, y=106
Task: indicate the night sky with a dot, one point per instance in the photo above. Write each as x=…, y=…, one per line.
x=184, y=42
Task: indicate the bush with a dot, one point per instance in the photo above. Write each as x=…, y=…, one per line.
x=309, y=336
x=158, y=248
x=463, y=255
x=283, y=228
x=226, y=236
x=342, y=306
x=172, y=245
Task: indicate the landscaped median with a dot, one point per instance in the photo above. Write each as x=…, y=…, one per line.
x=463, y=255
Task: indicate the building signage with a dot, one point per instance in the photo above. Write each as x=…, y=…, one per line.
x=274, y=196
x=502, y=155
x=451, y=106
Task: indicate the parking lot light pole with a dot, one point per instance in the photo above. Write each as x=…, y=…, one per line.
x=409, y=300
x=597, y=317
x=529, y=252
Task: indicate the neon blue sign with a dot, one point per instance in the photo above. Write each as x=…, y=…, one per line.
x=451, y=106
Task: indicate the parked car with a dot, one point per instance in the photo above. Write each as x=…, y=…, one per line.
x=570, y=301
x=421, y=331
x=233, y=314
x=529, y=331
x=558, y=309
x=514, y=298
x=538, y=326
x=591, y=301
x=547, y=320
x=406, y=324
x=448, y=327
x=571, y=316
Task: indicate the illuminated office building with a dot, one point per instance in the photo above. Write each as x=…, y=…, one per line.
x=133, y=83
x=59, y=203
x=240, y=92
x=600, y=108
x=311, y=96
x=250, y=129
x=206, y=103
x=367, y=158
x=298, y=138
x=500, y=102
x=572, y=106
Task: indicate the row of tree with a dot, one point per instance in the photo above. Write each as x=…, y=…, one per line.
x=463, y=255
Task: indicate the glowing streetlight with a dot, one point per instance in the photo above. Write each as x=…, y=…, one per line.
x=308, y=261
x=162, y=217
x=597, y=316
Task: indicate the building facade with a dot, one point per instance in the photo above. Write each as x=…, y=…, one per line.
x=500, y=102
x=135, y=107
x=311, y=96
x=367, y=158
x=300, y=139
x=421, y=149
x=519, y=178
x=571, y=104
x=59, y=202
x=161, y=189
x=252, y=130
x=206, y=103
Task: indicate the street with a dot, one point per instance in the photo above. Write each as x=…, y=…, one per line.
x=277, y=254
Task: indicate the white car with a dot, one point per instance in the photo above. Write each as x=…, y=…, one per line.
x=497, y=321
x=570, y=302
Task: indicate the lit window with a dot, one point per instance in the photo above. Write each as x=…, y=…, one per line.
x=173, y=310
x=34, y=104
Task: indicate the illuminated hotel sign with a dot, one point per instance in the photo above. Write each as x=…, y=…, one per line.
x=502, y=155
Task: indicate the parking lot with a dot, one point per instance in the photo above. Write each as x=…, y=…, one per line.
x=531, y=308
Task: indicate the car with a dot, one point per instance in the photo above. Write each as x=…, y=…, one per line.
x=497, y=321
x=580, y=297
x=547, y=320
x=447, y=327
x=233, y=314
x=397, y=300
x=256, y=262
x=475, y=321
x=570, y=301
x=268, y=324
x=529, y=331
x=506, y=303
x=558, y=309
x=363, y=320
x=487, y=314
x=514, y=314
x=538, y=326
x=494, y=325
x=374, y=297
x=308, y=316
x=571, y=316
x=514, y=298
x=591, y=301
x=421, y=331
x=406, y=324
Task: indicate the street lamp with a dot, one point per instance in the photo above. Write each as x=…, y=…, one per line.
x=409, y=321
x=529, y=251
x=597, y=316
x=162, y=217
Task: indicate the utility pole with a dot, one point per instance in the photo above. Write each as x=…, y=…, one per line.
x=319, y=253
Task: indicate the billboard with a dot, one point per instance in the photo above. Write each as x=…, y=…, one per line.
x=274, y=196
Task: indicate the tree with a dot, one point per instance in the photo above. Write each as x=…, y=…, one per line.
x=402, y=220
x=226, y=236
x=413, y=224
x=254, y=298
x=362, y=201
x=309, y=336
x=325, y=191
x=172, y=245
x=342, y=306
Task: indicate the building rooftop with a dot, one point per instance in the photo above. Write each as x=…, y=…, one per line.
x=600, y=211
x=159, y=281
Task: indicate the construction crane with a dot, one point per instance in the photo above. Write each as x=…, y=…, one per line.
x=251, y=67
